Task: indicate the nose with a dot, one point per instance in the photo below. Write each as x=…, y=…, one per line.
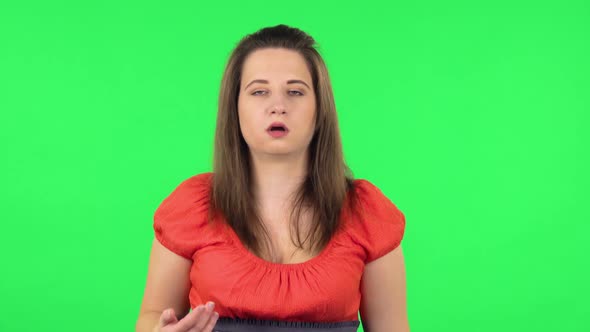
x=278, y=109
x=277, y=106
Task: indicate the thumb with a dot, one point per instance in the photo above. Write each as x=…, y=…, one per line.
x=167, y=317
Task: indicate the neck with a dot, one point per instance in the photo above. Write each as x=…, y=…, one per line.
x=276, y=178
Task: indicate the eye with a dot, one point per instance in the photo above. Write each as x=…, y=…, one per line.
x=295, y=93
x=256, y=93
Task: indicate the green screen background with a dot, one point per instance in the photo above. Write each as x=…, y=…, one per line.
x=471, y=117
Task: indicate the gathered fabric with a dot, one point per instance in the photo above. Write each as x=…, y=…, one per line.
x=324, y=289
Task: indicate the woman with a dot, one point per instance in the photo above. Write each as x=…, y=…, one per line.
x=279, y=234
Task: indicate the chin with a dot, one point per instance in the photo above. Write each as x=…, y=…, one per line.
x=278, y=152
x=275, y=150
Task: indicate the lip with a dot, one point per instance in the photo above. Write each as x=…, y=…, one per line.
x=277, y=124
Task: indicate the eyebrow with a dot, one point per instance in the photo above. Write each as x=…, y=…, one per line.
x=288, y=82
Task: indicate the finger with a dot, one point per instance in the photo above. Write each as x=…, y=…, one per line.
x=189, y=322
x=167, y=317
x=211, y=323
x=202, y=321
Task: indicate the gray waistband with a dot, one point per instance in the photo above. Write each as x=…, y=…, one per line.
x=225, y=324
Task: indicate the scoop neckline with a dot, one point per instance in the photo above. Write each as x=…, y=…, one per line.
x=237, y=243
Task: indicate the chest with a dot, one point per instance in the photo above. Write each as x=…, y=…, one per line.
x=323, y=288
x=283, y=241
x=284, y=248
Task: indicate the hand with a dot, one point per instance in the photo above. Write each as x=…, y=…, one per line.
x=200, y=319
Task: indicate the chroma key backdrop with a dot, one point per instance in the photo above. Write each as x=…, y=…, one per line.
x=472, y=117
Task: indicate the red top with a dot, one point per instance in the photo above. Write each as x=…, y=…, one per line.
x=325, y=288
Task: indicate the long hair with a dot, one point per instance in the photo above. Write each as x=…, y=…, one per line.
x=328, y=180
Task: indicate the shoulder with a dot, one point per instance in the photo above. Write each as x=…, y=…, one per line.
x=371, y=200
x=365, y=188
x=376, y=223
x=192, y=189
x=191, y=193
x=183, y=214
x=199, y=182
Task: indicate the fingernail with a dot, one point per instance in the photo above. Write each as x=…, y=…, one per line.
x=210, y=305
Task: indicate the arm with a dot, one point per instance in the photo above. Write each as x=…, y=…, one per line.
x=383, y=299
x=167, y=286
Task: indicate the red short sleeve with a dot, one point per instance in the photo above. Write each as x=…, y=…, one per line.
x=381, y=225
x=182, y=215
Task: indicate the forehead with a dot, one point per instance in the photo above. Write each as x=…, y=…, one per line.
x=277, y=64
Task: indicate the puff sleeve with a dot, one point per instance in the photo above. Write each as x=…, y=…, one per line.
x=381, y=226
x=180, y=219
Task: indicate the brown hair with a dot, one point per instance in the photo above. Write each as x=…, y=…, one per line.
x=328, y=179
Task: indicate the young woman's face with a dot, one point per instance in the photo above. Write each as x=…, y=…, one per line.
x=276, y=87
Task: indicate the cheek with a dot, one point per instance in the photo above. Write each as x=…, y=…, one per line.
x=306, y=125
x=245, y=122
x=311, y=116
x=243, y=113
x=248, y=123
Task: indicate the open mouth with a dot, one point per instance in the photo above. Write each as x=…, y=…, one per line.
x=277, y=130
x=274, y=128
x=277, y=127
